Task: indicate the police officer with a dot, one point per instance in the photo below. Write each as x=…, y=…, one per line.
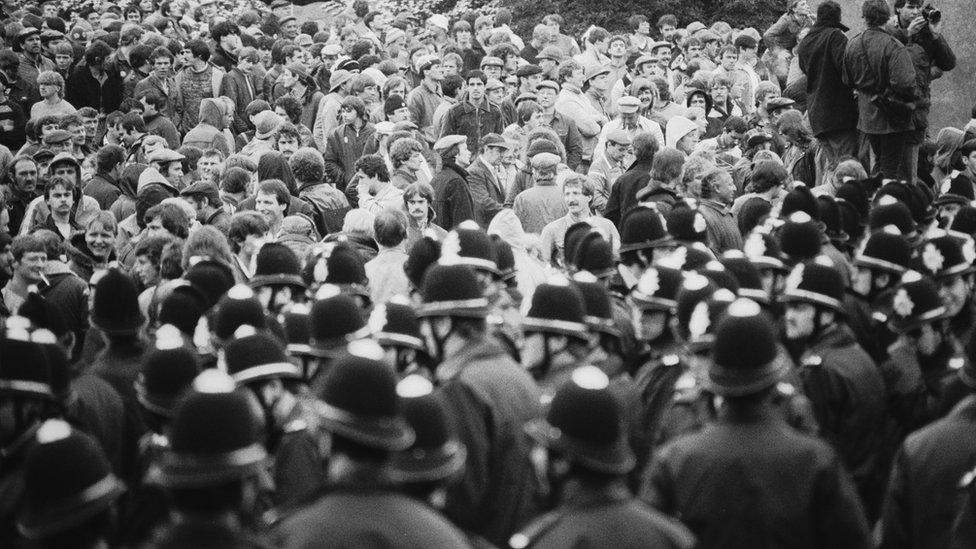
x=335, y=320
x=789, y=486
x=256, y=361
x=643, y=239
x=925, y=361
x=213, y=468
x=949, y=261
x=277, y=280
x=341, y=265
x=360, y=409
x=586, y=461
x=933, y=462
x=555, y=333
x=26, y=398
x=70, y=490
x=878, y=268
x=168, y=370
x=840, y=379
x=489, y=395
x=395, y=327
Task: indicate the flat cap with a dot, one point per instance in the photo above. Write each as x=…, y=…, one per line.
x=594, y=71
x=528, y=70
x=777, y=103
x=619, y=136
x=165, y=155
x=198, y=188
x=545, y=160
x=491, y=61
x=552, y=53
x=494, y=84
x=57, y=136
x=449, y=141
x=547, y=84
x=628, y=104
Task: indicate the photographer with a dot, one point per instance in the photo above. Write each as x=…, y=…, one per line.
x=880, y=68
x=917, y=26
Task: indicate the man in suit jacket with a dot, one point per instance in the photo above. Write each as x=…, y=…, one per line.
x=487, y=190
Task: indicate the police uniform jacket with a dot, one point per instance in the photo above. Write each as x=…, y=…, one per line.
x=790, y=490
x=364, y=516
x=847, y=392
x=491, y=398
x=603, y=516
x=920, y=503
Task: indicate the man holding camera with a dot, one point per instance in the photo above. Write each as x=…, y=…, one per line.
x=917, y=26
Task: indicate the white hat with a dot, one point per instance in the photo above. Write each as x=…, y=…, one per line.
x=440, y=21
x=678, y=127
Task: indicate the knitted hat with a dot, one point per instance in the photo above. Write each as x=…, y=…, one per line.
x=266, y=123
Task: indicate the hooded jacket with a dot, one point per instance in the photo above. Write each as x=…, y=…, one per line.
x=209, y=133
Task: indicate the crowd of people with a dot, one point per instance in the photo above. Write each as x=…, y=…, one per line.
x=335, y=276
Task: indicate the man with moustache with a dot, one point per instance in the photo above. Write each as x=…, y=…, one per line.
x=577, y=195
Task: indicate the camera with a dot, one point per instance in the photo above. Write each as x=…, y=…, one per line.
x=931, y=15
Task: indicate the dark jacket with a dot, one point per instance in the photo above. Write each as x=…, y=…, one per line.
x=361, y=516
x=223, y=58
x=69, y=294
x=473, y=122
x=623, y=194
x=453, y=202
x=84, y=90
x=918, y=388
x=569, y=134
x=104, y=189
x=931, y=56
x=605, y=516
x=342, y=148
x=920, y=503
x=830, y=101
x=847, y=392
x=877, y=63
x=664, y=198
x=491, y=398
x=12, y=123
x=487, y=192
x=235, y=85
x=751, y=480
